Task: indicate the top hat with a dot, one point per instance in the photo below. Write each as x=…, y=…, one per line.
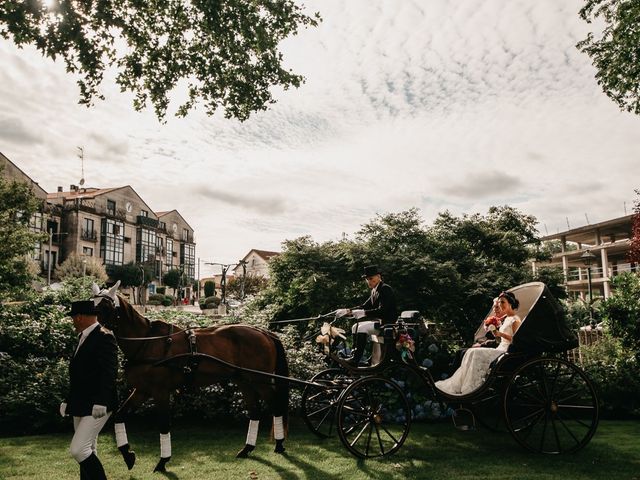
x=83, y=307
x=370, y=271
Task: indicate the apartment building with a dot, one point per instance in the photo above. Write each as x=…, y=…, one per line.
x=113, y=224
x=607, y=243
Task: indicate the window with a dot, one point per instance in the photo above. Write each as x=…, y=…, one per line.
x=163, y=226
x=188, y=259
x=112, y=241
x=111, y=208
x=35, y=225
x=87, y=251
x=185, y=235
x=144, y=213
x=146, y=245
x=88, y=230
x=169, y=256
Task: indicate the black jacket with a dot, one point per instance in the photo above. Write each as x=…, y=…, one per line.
x=381, y=304
x=92, y=374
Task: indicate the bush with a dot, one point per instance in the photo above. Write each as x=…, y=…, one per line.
x=209, y=303
x=616, y=374
x=167, y=301
x=156, y=297
x=209, y=288
x=161, y=290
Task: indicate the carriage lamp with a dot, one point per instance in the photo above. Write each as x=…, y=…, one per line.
x=587, y=257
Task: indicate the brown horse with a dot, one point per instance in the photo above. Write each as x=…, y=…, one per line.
x=161, y=358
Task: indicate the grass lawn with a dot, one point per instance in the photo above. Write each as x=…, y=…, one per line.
x=432, y=451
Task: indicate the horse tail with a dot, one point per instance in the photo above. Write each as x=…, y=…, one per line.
x=282, y=386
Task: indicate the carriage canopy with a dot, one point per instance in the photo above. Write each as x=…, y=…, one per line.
x=543, y=327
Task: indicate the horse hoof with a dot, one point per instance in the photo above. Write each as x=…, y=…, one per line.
x=244, y=453
x=160, y=467
x=130, y=459
x=129, y=456
x=279, y=447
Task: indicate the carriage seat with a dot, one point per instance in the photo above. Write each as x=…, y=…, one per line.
x=390, y=332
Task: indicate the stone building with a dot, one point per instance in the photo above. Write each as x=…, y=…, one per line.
x=113, y=224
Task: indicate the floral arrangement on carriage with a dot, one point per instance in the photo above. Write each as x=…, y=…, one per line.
x=406, y=346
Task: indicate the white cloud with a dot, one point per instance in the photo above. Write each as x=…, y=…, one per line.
x=442, y=105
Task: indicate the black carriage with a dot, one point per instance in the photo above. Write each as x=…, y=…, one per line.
x=546, y=402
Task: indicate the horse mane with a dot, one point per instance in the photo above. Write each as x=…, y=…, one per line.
x=157, y=325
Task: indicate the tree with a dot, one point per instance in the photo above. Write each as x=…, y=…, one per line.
x=249, y=285
x=173, y=279
x=17, y=205
x=634, y=250
x=209, y=288
x=76, y=266
x=616, y=52
x=225, y=51
x=131, y=275
x=621, y=310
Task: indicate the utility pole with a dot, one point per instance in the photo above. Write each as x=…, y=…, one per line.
x=49, y=257
x=198, y=278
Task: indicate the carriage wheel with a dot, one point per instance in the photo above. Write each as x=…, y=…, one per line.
x=420, y=397
x=487, y=410
x=319, y=405
x=373, y=417
x=550, y=406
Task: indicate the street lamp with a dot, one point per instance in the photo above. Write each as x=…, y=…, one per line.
x=142, y=289
x=587, y=257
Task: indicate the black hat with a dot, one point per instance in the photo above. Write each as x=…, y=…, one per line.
x=83, y=307
x=371, y=270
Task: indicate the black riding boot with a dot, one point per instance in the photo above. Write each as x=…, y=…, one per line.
x=91, y=468
x=360, y=342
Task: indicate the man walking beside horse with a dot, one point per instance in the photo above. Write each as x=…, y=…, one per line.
x=92, y=387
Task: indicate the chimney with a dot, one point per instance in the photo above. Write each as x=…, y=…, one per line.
x=60, y=189
x=72, y=188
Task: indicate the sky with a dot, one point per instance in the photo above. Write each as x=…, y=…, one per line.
x=440, y=105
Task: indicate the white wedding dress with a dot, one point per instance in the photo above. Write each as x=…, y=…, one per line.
x=475, y=364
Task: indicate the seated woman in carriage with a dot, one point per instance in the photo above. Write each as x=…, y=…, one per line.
x=476, y=361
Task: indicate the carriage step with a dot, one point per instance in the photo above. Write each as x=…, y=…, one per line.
x=463, y=419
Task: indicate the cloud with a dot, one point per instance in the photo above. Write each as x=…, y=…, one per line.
x=479, y=185
x=14, y=130
x=268, y=205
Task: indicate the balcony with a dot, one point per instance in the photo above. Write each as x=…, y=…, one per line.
x=89, y=235
x=146, y=221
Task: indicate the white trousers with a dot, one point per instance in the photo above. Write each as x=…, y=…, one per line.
x=85, y=438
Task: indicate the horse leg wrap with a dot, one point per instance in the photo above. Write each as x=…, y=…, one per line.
x=278, y=434
x=122, y=442
x=165, y=452
x=252, y=436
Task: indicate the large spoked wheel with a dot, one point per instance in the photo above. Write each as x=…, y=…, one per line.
x=487, y=410
x=551, y=406
x=318, y=405
x=373, y=417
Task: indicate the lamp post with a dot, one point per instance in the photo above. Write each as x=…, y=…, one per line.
x=587, y=257
x=142, y=289
x=84, y=267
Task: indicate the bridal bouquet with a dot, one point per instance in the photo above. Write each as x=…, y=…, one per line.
x=493, y=323
x=406, y=346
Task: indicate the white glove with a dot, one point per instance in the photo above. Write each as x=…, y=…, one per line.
x=341, y=312
x=357, y=314
x=98, y=411
x=63, y=409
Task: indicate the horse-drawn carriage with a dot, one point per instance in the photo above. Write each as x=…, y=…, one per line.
x=546, y=402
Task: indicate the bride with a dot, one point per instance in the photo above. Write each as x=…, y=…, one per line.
x=476, y=361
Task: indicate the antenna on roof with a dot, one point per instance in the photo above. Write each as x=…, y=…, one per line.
x=568, y=226
x=545, y=228
x=625, y=207
x=81, y=157
x=585, y=216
